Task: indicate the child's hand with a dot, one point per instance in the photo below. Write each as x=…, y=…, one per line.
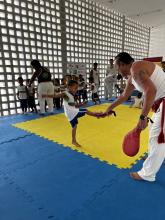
x=99, y=114
x=110, y=113
x=105, y=114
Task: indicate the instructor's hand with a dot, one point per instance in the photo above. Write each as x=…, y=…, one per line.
x=142, y=124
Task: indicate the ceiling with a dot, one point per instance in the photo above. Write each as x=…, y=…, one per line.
x=149, y=12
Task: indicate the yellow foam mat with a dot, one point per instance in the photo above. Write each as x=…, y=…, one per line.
x=100, y=138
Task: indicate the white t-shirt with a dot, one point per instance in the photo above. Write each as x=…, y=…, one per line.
x=137, y=103
x=93, y=88
x=31, y=90
x=111, y=73
x=22, y=92
x=70, y=111
x=81, y=84
x=56, y=88
x=96, y=76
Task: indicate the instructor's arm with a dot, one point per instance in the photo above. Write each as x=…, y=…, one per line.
x=149, y=89
x=124, y=96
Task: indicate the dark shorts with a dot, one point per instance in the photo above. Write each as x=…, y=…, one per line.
x=80, y=92
x=31, y=102
x=24, y=103
x=80, y=114
x=95, y=96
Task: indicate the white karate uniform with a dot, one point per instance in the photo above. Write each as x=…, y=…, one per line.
x=48, y=89
x=156, y=151
x=109, y=81
x=70, y=111
x=96, y=77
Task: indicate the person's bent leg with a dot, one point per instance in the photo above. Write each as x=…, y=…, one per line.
x=41, y=91
x=50, y=91
x=154, y=160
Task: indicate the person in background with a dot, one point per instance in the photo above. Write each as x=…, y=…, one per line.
x=22, y=95
x=76, y=95
x=45, y=85
x=137, y=101
x=93, y=89
x=110, y=80
x=81, y=84
x=96, y=76
x=57, y=101
x=31, y=97
x=85, y=96
x=63, y=87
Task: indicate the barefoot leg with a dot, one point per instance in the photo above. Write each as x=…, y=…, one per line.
x=135, y=176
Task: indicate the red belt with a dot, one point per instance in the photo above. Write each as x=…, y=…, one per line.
x=155, y=107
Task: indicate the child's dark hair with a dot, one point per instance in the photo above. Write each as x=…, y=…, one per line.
x=35, y=64
x=139, y=95
x=57, y=80
x=72, y=82
x=20, y=78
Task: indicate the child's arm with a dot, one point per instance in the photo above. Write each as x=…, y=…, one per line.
x=56, y=95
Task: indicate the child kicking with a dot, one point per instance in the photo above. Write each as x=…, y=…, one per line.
x=71, y=109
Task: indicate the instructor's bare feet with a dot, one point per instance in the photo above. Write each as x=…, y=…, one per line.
x=76, y=144
x=135, y=176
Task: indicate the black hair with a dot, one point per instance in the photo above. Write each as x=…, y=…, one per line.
x=119, y=76
x=124, y=57
x=95, y=64
x=72, y=82
x=35, y=64
x=20, y=78
x=139, y=95
x=57, y=80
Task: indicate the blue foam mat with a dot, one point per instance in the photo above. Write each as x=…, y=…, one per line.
x=42, y=180
x=55, y=178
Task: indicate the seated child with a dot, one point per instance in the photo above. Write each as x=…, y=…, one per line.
x=137, y=101
x=71, y=109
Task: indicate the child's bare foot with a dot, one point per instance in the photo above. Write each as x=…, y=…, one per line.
x=76, y=144
x=135, y=176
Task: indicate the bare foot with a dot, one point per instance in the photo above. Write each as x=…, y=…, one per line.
x=135, y=176
x=76, y=144
x=144, y=157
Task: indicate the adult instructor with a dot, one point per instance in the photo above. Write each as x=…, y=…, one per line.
x=149, y=79
x=45, y=85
